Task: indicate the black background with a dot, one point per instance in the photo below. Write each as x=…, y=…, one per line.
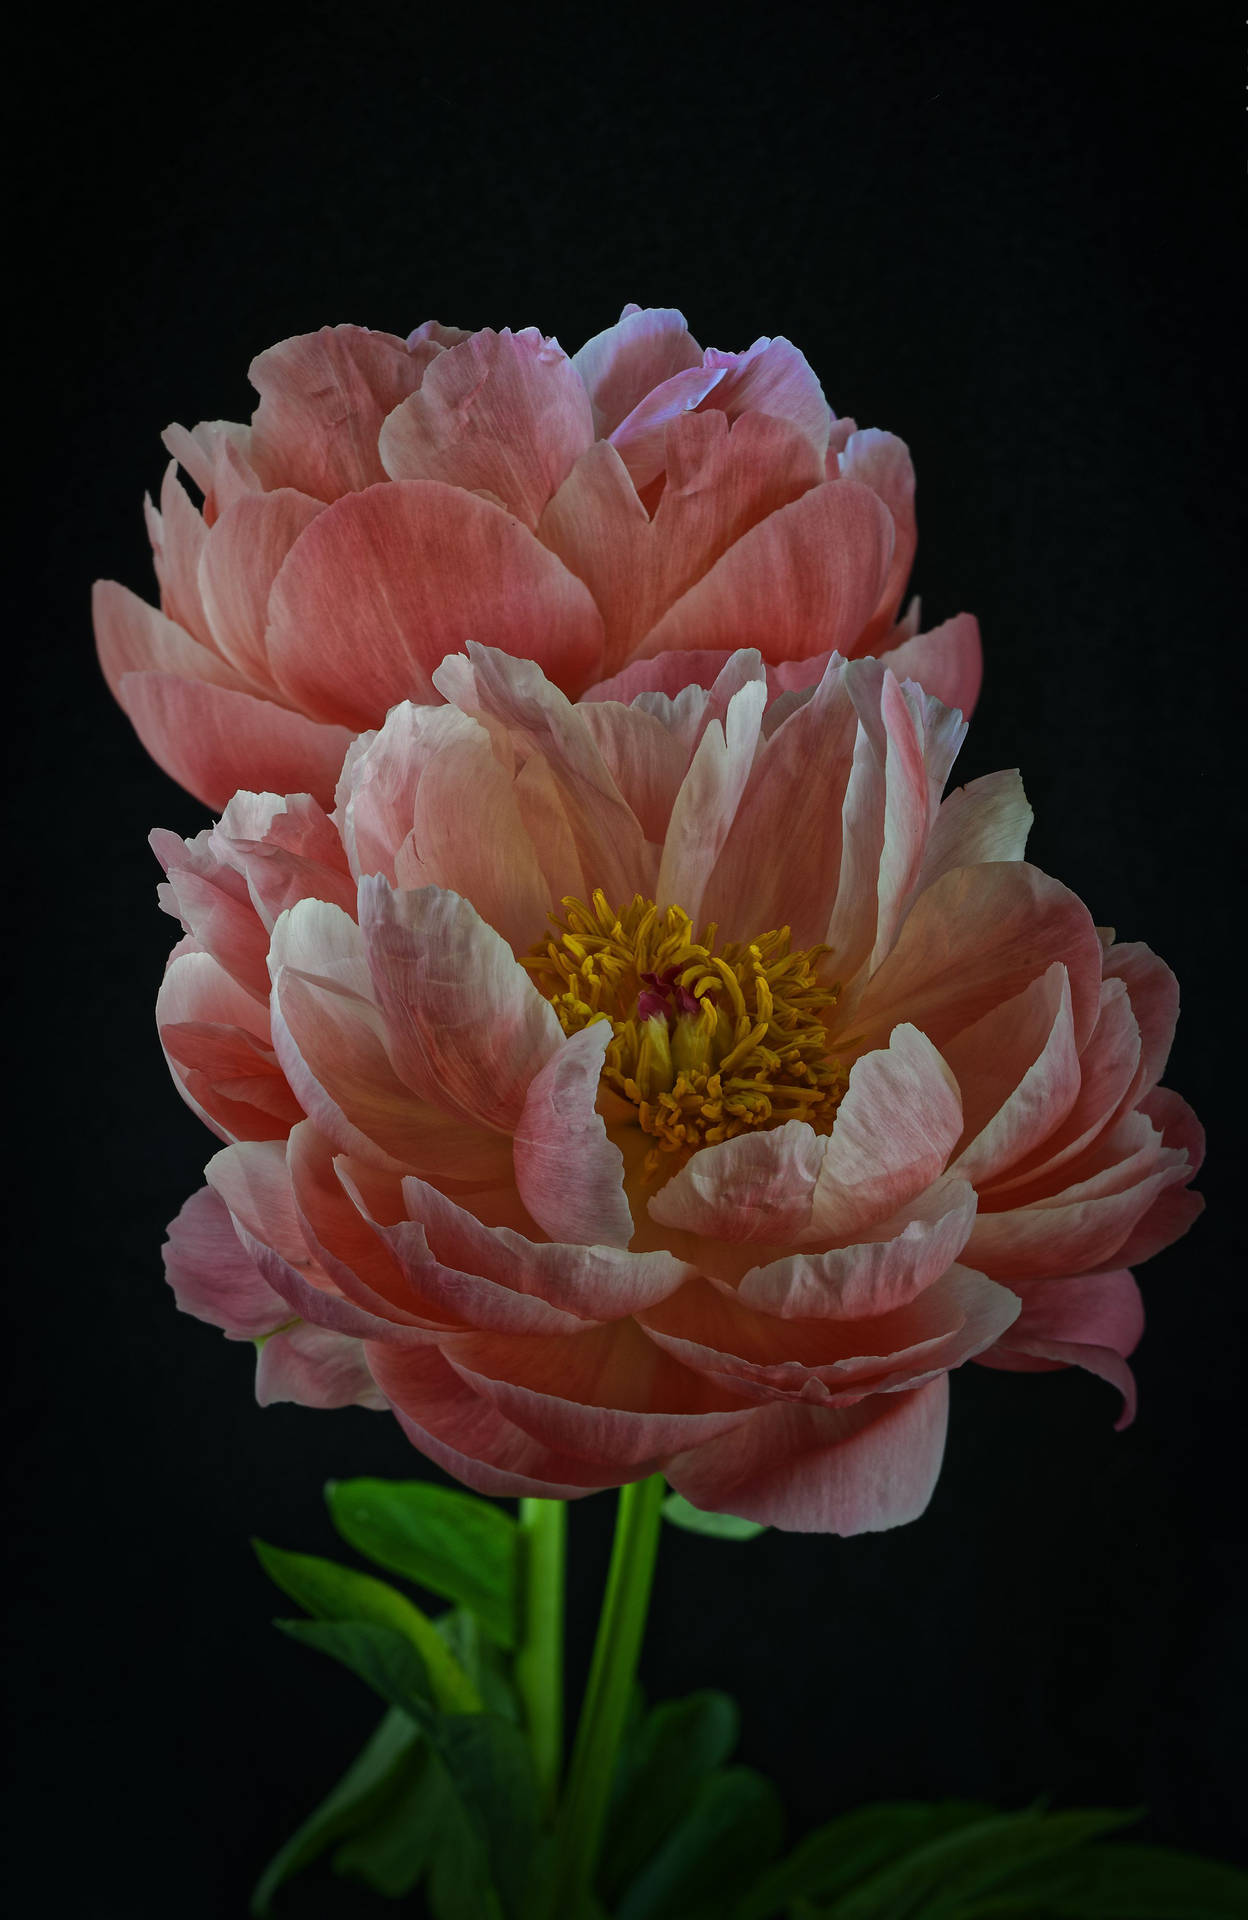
x=1009, y=236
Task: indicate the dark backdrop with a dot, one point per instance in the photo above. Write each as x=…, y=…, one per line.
x=1008, y=236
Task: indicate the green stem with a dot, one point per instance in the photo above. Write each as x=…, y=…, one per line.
x=539, y=1661
x=578, y=1829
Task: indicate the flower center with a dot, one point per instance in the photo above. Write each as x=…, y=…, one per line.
x=704, y=1044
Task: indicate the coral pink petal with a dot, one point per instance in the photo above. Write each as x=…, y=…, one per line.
x=1176, y=1208
x=666, y=673
x=376, y=591
x=803, y=580
x=239, y=563
x=467, y=1436
x=882, y=462
x=216, y=455
x=1068, y=1233
x=323, y=397
x=757, y=1187
x=569, y=1174
x=621, y=365
x=1154, y=995
x=464, y=1024
x=947, y=662
x=132, y=637
x=504, y=413
x=315, y=1368
x=211, y=1275
x=824, y=1470
x=177, y=534
x=1092, y=1322
x=976, y=938
x=607, y=1395
x=213, y=740
x=1018, y=1073
x=705, y=806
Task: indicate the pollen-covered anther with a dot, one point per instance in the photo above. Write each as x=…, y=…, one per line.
x=704, y=1044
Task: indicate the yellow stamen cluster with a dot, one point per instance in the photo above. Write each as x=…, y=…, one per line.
x=742, y=1043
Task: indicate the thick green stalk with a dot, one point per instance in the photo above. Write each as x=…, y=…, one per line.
x=539, y=1660
x=578, y=1829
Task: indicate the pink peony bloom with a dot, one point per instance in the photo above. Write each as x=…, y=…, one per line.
x=677, y=1085
x=617, y=512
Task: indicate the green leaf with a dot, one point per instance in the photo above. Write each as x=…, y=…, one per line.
x=382, y=1658
x=731, y=1831
x=391, y=1851
x=449, y=1542
x=837, y=1856
x=935, y=1881
x=367, y=1787
x=662, y=1766
x=490, y=1765
x=1122, y=1882
x=334, y=1592
x=718, y=1526
x=483, y=1660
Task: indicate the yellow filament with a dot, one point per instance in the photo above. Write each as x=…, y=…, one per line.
x=755, y=1053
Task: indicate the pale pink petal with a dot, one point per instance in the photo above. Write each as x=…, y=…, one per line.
x=592, y=1282
x=904, y=1255
x=287, y=849
x=803, y=580
x=330, y=1039
x=515, y=694
x=824, y=1470
x=428, y=804
x=238, y=565
x=213, y=740
x=212, y=1276
x=947, y=662
x=704, y=809
x=323, y=397
x=1176, y=1208
x=464, y=1025
x=215, y=908
x=621, y=365
x=376, y=591
x=1077, y=1230
x=315, y=1368
x=894, y=1131
x=986, y=820
x=976, y=938
x=467, y=1436
x=178, y=534
x=216, y=454
x=505, y=413
x=569, y=1174
x=606, y=1395
x=775, y=378
x=882, y=462
x=641, y=438
x=215, y=1034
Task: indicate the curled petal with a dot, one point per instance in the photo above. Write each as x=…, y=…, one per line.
x=569, y=1174
x=213, y=1277
x=315, y=1368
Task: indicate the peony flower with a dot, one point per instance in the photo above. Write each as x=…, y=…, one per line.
x=641, y=502
x=675, y=1085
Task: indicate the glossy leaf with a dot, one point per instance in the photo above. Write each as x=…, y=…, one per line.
x=662, y=1766
x=333, y=1592
x=729, y=1834
x=839, y=1855
x=449, y=1542
x=372, y=1781
x=717, y=1526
